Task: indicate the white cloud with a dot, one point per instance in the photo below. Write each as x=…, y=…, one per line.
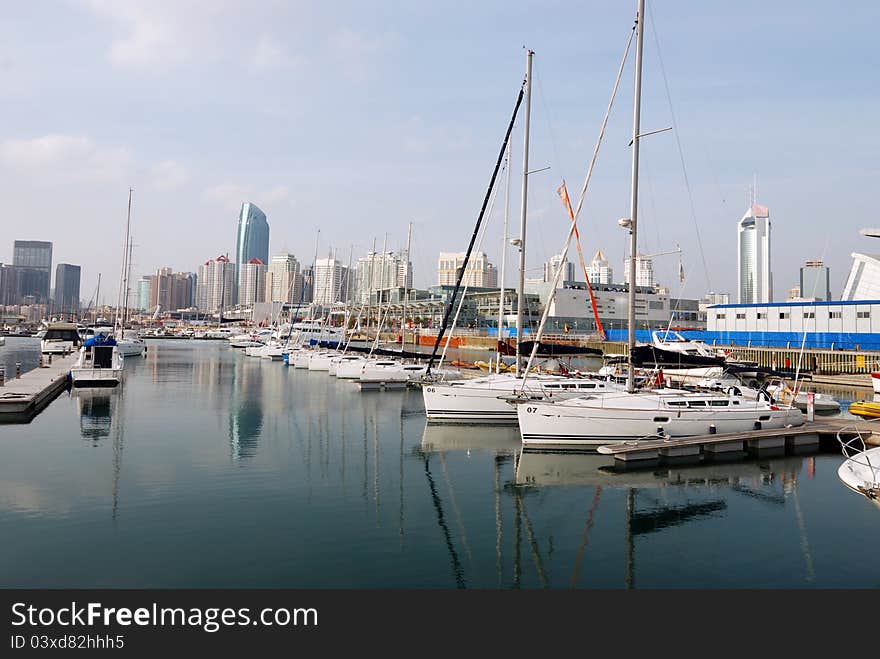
x=275, y=195
x=66, y=158
x=169, y=175
x=270, y=55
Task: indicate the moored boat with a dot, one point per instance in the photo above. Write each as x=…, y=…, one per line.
x=99, y=363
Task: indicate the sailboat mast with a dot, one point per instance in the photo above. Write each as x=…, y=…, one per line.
x=634, y=199
x=520, y=294
x=503, y=262
x=405, y=289
x=123, y=276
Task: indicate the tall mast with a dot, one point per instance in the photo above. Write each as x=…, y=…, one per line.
x=634, y=200
x=123, y=277
x=503, y=261
x=405, y=289
x=520, y=293
x=382, y=267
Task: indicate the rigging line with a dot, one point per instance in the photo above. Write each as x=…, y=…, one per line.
x=675, y=132
x=548, y=119
x=466, y=286
x=573, y=228
x=467, y=256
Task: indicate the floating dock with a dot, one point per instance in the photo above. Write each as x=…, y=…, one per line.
x=22, y=398
x=800, y=439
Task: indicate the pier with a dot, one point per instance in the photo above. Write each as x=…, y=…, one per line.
x=798, y=439
x=22, y=398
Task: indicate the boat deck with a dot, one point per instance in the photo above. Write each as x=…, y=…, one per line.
x=21, y=399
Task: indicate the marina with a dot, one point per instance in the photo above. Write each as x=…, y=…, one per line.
x=326, y=486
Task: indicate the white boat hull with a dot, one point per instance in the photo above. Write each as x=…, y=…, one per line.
x=131, y=347
x=625, y=417
x=861, y=473
x=350, y=369
x=486, y=399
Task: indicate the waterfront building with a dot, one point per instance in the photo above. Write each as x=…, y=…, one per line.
x=307, y=280
x=600, y=271
x=863, y=281
x=8, y=285
x=67, y=282
x=753, y=256
x=171, y=290
x=644, y=271
x=283, y=281
x=252, y=282
x=844, y=324
x=377, y=271
x=331, y=281
x=32, y=260
x=815, y=281
x=143, y=293
x=480, y=272
x=215, y=284
x=252, y=237
x=551, y=266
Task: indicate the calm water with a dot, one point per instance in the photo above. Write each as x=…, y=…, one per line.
x=211, y=469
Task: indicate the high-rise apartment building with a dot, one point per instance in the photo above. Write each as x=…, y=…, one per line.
x=377, y=271
x=67, y=281
x=753, y=256
x=252, y=237
x=551, y=266
x=252, y=282
x=330, y=282
x=32, y=260
x=644, y=271
x=479, y=273
x=143, y=293
x=171, y=290
x=283, y=281
x=215, y=284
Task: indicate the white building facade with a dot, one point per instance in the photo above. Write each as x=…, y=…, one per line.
x=480, y=273
x=215, y=284
x=283, y=280
x=644, y=271
x=600, y=271
x=252, y=282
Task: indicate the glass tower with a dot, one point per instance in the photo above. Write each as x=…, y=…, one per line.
x=33, y=262
x=753, y=256
x=67, y=279
x=252, y=240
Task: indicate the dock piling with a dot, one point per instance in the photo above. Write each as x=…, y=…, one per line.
x=17, y=370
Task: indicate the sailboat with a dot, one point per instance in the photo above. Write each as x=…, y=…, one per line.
x=635, y=414
x=128, y=343
x=488, y=398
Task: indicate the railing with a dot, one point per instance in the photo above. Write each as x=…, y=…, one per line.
x=858, y=455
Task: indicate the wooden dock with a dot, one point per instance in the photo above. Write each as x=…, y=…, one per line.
x=730, y=445
x=22, y=398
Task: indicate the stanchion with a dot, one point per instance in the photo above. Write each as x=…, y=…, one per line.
x=17, y=370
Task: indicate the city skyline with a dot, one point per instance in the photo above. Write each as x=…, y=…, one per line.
x=67, y=159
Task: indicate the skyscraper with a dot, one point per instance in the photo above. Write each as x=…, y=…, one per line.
x=753, y=256
x=815, y=281
x=479, y=274
x=377, y=271
x=331, y=281
x=143, y=293
x=252, y=282
x=644, y=271
x=252, y=238
x=599, y=270
x=32, y=260
x=551, y=266
x=214, y=285
x=283, y=283
x=67, y=278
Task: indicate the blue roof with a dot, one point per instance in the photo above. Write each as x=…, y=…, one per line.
x=818, y=303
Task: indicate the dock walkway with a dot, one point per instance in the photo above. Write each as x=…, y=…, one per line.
x=23, y=398
x=742, y=443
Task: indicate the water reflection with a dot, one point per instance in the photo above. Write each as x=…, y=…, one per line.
x=95, y=412
x=246, y=411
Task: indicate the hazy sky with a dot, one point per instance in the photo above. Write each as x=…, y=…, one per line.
x=358, y=117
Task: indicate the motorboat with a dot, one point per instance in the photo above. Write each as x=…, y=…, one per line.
x=131, y=345
x=490, y=398
x=860, y=470
x=60, y=338
x=605, y=418
x=783, y=393
x=865, y=409
x=99, y=363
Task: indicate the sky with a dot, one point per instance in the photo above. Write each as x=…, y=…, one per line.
x=357, y=118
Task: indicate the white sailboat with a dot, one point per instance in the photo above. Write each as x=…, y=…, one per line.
x=632, y=414
x=128, y=343
x=488, y=398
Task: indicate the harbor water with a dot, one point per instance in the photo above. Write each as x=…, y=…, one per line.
x=207, y=468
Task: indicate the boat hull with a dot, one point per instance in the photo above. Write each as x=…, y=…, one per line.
x=561, y=425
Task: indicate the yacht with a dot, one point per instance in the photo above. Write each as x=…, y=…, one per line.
x=492, y=398
x=60, y=338
x=99, y=363
x=131, y=345
x=860, y=471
